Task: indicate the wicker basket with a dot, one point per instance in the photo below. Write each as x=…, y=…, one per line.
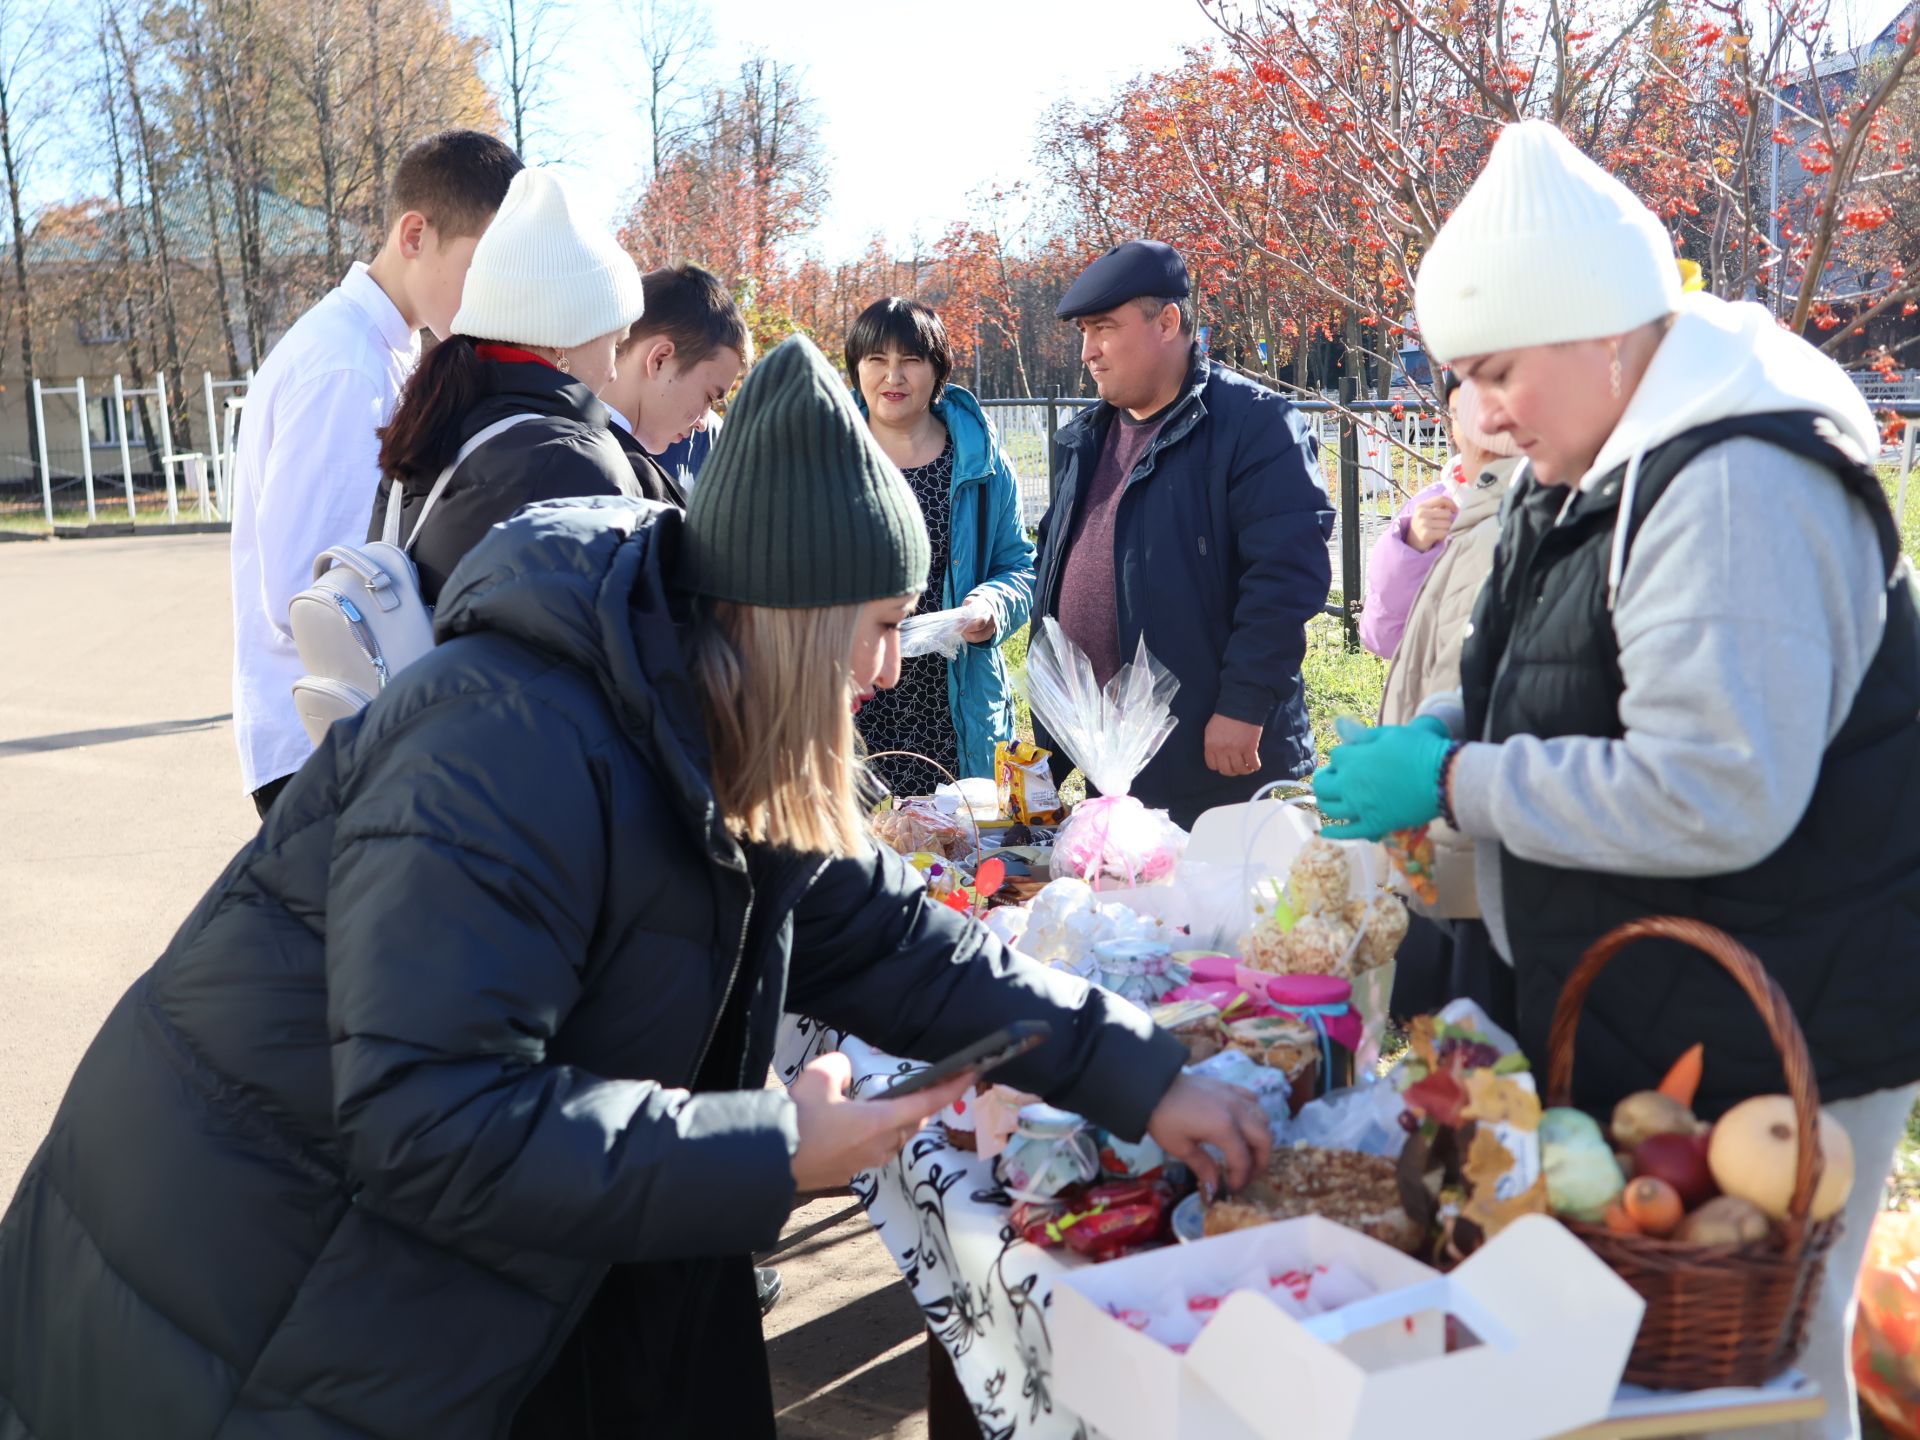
x=1721, y=1314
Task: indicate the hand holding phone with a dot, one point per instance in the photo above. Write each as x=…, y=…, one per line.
x=840, y=1137
x=978, y=1059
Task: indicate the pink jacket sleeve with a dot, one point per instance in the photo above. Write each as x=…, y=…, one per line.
x=1395, y=571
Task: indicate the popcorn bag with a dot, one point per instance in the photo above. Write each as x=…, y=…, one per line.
x=1110, y=732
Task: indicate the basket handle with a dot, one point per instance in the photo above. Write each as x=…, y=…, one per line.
x=1751, y=976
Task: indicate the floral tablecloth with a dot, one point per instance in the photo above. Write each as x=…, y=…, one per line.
x=945, y=1220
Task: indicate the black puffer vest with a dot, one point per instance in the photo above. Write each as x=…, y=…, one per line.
x=1834, y=913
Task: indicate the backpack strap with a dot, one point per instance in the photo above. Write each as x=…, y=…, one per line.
x=391, y=532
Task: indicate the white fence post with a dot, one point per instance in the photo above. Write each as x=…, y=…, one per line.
x=86, y=444
x=40, y=430
x=126, y=455
x=166, y=450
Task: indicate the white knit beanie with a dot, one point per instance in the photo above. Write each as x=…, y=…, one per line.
x=543, y=276
x=1545, y=246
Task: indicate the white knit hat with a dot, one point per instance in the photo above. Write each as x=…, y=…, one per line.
x=543, y=276
x=1545, y=246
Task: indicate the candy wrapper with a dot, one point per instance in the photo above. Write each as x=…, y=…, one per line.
x=1110, y=732
x=1025, y=782
x=1411, y=852
x=1101, y=1221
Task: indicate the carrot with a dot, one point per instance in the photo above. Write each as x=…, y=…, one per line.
x=1682, y=1082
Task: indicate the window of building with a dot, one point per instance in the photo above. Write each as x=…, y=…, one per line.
x=102, y=429
x=105, y=323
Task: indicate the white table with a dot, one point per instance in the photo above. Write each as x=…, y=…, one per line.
x=986, y=1292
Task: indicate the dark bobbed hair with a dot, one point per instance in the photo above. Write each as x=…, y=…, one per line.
x=456, y=178
x=904, y=325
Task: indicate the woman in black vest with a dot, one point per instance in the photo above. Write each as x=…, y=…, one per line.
x=1692, y=685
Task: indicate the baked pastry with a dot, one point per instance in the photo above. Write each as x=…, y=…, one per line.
x=1361, y=1192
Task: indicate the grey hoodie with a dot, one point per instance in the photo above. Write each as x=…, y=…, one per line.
x=1746, y=617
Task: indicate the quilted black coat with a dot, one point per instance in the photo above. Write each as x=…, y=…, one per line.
x=469, y=1040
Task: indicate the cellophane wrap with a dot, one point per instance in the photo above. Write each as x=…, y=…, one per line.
x=1110, y=732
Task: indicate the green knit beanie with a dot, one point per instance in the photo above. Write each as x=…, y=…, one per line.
x=797, y=506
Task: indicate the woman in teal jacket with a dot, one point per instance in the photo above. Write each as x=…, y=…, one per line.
x=952, y=712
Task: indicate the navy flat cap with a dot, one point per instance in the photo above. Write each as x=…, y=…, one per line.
x=1126, y=272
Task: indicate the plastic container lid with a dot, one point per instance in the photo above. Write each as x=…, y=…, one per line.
x=1212, y=967
x=1309, y=990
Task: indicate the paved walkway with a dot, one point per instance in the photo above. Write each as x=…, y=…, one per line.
x=120, y=803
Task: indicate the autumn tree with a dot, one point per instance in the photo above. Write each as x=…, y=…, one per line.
x=29, y=52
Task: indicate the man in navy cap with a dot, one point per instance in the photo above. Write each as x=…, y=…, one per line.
x=1186, y=510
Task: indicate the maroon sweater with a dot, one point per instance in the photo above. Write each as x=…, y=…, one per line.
x=1089, y=608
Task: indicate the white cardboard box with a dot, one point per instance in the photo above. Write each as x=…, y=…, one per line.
x=1555, y=1324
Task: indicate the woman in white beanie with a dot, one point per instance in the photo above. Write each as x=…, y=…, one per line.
x=1423, y=576
x=547, y=300
x=1692, y=685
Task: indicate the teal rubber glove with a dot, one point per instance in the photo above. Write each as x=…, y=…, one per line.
x=1381, y=779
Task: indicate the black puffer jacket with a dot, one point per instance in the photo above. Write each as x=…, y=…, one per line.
x=353, y=1157
x=567, y=451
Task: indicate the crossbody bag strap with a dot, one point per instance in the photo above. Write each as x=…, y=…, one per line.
x=499, y=427
x=396, y=501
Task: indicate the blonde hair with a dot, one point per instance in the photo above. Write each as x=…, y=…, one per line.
x=775, y=686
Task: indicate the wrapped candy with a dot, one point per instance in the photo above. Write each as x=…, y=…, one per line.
x=1110, y=732
x=1411, y=852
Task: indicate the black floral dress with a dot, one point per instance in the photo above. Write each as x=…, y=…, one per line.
x=914, y=714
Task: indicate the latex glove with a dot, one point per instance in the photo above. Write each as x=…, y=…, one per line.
x=1432, y=724
x=1381, y=779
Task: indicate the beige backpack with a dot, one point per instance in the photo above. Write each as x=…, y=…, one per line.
x=363, y=620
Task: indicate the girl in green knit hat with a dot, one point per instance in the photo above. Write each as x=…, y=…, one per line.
x=445, y=1111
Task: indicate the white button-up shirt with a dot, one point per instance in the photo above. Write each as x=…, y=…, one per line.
x=305, y=477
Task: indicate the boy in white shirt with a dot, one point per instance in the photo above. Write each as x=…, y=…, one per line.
x=307, y=467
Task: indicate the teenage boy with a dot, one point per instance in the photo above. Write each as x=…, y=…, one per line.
x=677, y=362
x=307, y=470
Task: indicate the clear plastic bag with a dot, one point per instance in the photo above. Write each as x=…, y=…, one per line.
x=1110, y=732
x=938, y=633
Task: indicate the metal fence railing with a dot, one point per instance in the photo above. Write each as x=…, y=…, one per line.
x=102, y=452
x=1393, y=449
x=1374, y=455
